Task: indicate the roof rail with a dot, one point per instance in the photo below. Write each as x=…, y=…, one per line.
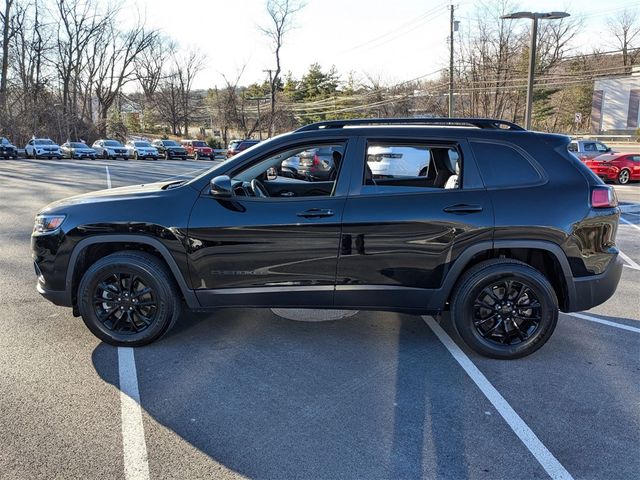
x=484, y=123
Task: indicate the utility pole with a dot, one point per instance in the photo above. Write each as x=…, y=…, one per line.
x=272, y=92
x=451, y=27
x=258, y=99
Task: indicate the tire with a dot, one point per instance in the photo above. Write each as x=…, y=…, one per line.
x=105, y=155
x=483, y=329
x=623, y=177
x=162, y=303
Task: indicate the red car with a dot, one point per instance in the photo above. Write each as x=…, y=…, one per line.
x=237, y=146
x=618, y=167
x=198, y=149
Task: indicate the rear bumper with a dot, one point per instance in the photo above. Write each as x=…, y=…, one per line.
x=593, y=290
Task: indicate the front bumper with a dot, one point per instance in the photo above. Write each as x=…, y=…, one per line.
x=57, y=297
x=593, y=290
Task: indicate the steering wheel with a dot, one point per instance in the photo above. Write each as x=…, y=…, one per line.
x=259, y=189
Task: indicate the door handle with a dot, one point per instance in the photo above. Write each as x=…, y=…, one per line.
x=462, y=208
x=316, y=213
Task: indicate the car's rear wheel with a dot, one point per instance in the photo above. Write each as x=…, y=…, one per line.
x=504, y=308
x=623, y=177
x=128, y=299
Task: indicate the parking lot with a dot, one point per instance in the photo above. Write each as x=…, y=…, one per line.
x=251, y=394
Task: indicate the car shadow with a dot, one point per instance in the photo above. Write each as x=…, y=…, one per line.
x=370, y=396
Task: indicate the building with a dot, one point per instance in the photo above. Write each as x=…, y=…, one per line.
x=616, y=105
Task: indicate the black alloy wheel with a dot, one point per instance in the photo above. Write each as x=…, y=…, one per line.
x=129, y=298
x=124, y=303
x=504, y=308
x=506, y=312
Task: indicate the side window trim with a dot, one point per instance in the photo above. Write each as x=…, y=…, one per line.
x=359, y=189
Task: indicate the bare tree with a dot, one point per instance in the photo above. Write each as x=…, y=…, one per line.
x=7, y=33
x=187, y=67
x=116, y=55
x=281, y=14
x=626, y=29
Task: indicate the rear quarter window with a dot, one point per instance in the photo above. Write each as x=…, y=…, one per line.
x=503, y=166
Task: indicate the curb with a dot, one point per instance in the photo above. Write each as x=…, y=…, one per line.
x=630, y=208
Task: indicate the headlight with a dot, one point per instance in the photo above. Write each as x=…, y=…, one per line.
x=47, y=223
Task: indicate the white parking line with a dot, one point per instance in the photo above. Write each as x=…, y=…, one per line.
x=108, y=177
x=630, y=262
x=552, y=466
x=136, y=464
x=604, y=322
x=629, y=223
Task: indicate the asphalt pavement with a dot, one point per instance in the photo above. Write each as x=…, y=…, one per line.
x=246, y=393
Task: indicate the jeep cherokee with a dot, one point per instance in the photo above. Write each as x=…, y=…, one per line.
x=504, y=228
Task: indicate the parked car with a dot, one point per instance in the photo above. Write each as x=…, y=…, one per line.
x=237, y=146
x=621, y=168
x=410, y=161
x=290, y=166
x=77, y=150
x=170, y=149
x=587, y=149
x=42, y=148
x=319, y=163
x=481, y=236
x=198, y=149
x=141, y=149
x=107, y=148
x=7, y=150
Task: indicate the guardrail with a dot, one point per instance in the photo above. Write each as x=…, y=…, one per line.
x=611, y=138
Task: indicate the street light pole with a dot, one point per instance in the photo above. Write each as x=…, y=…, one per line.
x=532, y=51
x=532, y=68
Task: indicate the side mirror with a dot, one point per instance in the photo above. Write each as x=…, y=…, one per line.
x=221, y=187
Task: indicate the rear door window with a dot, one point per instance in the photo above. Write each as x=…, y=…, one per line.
x=503, y=166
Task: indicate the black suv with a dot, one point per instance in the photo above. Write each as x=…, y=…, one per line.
x=170, y=149
x=504, y=229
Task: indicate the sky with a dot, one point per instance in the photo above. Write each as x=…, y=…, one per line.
x=392, y=41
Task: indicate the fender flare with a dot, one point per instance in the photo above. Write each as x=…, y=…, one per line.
x=462, y=261
x=188, y=293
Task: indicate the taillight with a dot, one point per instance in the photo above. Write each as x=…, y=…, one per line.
x=603, y=197
x=316, y=160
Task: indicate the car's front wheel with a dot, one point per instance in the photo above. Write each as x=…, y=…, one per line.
x=128, y=298
x=504, y=308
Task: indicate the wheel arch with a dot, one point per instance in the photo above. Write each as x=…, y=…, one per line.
x=106, y=244
x=545, y=256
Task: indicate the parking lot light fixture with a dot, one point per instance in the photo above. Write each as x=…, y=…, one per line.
x=534, y=16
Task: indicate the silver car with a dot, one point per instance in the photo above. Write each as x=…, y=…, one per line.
x=77, y=150
x=107, y=148
x=142, y=149
x=588, y=149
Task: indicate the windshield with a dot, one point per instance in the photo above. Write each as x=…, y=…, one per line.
x=170, y=143
x=200, y=144
x=77, y=145
x=40, y=141
x=142, y=144
x=112, y=143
